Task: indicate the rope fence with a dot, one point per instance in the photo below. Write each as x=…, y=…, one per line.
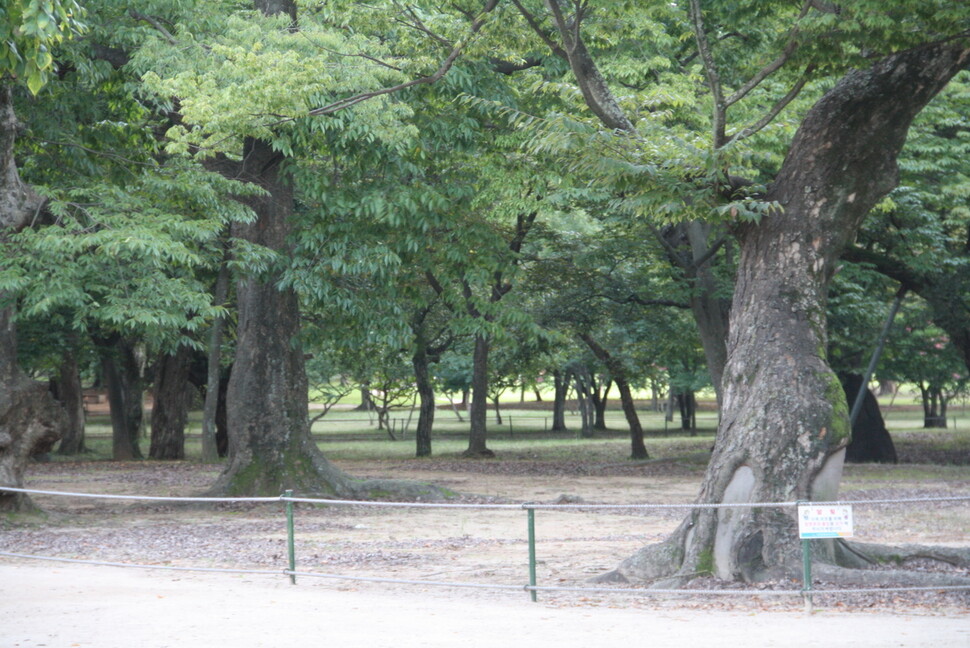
x=532, y=588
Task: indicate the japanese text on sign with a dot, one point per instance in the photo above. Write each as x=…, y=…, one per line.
x=824, y=521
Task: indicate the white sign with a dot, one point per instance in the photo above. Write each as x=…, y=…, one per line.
x=815, y=521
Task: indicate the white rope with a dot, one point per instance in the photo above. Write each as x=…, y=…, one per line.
x=403, y=581
x=527, y=588
x=105, y=563
x=148, y=498
x=525, y=506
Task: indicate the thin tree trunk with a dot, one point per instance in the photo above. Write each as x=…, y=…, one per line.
x=210, y=447
x=584, y=402
x=561, y=383
x=479, y=404
x=637, y=448
x=498, y=411
x=422, y=378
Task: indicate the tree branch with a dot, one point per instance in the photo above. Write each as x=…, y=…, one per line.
x=449, y=61
x=540, y=32
x=777, y=108
x=154, y=22
x=710, y=70
x=775, y=65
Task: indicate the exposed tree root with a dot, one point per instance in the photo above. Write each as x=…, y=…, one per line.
x=859, y=554
x=887, y=577
x=661, y=566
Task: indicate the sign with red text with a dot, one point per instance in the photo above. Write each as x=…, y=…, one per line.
x=817, y=521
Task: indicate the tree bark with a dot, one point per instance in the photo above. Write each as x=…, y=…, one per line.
x=170, y=405
x=784, y=422
x=581, y=379
x=31, y=421
x=599, y=400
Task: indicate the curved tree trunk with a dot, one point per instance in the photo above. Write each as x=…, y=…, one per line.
x=31, y=420
x=784, y=422
x=618, y=371
x=170, y=405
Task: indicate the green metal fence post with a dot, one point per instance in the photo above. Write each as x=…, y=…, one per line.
x=290, y=544
x=807, y=574
x=532, y=552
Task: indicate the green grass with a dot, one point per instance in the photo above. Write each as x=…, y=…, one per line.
x=345, y=434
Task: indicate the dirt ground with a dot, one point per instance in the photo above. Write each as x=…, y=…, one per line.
x=61, y=604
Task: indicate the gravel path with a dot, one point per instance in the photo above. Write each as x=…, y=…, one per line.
x=103, y=607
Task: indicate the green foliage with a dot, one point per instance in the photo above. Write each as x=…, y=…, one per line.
x=30, y=30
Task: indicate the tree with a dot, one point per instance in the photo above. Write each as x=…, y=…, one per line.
x=30, y=420
x=777, y=442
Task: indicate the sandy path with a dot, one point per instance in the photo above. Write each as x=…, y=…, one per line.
x=102, y=607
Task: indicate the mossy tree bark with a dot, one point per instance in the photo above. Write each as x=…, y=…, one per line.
x=784, y=423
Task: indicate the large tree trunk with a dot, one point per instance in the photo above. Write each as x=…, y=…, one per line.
x=170, y=405
x=66, y=388
x=123, y=376
x=784, y=422
x=478, y=413
x=31, y=420
x=270, y=448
